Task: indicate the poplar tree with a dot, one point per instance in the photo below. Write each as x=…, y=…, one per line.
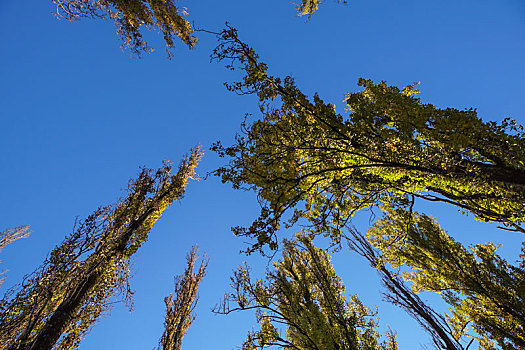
x=59, y=302
x=307, y=162
x=301, y=304
x=483, y=289
x=180, y=306
x=390, y=149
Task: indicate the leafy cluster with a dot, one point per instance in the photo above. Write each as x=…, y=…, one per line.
x=308, y=7
x=131, y=16
x=483, y=289
x=304, y=294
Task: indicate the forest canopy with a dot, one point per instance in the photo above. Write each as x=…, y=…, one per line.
x=348, y=178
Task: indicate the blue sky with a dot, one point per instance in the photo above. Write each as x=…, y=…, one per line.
x=79, y=116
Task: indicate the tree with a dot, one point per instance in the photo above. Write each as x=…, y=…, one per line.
x=391, y=149
x=180, y=309
x=483, y=289
x=304, y=294
x=131, y=16
x=9, y=236
x=59, y=302
x=303, y=157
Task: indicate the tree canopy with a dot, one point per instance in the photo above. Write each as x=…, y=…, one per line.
x=304, y=294
x=390, y=149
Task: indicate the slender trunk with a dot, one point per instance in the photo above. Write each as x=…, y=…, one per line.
x=63, y=315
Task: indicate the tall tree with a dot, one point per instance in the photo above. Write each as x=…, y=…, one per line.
x=302, y=156
x=398, y=293
x=483, y=289
x=390, y=149
x=131, y=17
x=57, y=304
x=180, y=308
x=304, y=295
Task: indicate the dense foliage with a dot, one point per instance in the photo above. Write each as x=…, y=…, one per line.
x=304, y=295
x=303, y=157
x=390, y=149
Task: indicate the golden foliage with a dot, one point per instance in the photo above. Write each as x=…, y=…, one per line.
x=131, y=17
x=57, y=304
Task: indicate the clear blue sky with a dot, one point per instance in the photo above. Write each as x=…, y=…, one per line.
x=78, y=117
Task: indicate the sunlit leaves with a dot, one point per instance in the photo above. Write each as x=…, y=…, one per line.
x=388, y=149
x=301, y=304
x=483, y=289
x=308, y=7
x=57, y=304
x=131, y=17
x=306, y=161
